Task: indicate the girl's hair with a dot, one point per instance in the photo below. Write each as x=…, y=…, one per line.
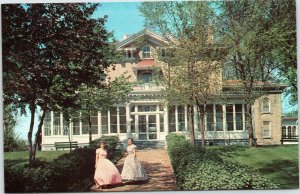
x=102, y=142
x=130, y=139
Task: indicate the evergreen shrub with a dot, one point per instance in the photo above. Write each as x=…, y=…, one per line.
x=201, y=169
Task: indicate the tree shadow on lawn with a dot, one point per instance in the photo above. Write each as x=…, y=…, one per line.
x=284, y=172
x=14, y=164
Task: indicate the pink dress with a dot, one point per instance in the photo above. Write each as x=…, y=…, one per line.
x=106, y=173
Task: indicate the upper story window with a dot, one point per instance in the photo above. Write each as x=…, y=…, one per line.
x=129, y=53
x=146, y=51
x=266, y=105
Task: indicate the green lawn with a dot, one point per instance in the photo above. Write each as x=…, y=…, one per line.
x=19, y=159
x=279, y=163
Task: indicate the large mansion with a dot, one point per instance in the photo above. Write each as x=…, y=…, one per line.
x=147, y=119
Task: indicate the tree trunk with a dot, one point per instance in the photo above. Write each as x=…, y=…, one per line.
x=192, y=127
x=249, y=119
x=32, y=112
x=38, y=134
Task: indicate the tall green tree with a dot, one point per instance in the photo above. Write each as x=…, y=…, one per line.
x=190, y=61
x=248, y=30
x=49, y=50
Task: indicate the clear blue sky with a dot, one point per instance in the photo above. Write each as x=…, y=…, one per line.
x=123, y=18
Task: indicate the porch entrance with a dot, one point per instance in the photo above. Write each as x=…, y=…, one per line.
x=147, y=127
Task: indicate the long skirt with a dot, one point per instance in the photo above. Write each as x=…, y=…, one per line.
x=106, y=173
x=133, y=170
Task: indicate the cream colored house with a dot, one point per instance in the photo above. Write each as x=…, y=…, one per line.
x=148, y=120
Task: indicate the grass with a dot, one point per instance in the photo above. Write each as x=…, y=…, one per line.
x=279, y=163
x=19, y=159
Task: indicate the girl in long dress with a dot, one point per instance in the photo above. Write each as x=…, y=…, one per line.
x=132, y=169
x=106, y=173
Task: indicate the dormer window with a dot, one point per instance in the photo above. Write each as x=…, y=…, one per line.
x=129, y=53
x=146, y=51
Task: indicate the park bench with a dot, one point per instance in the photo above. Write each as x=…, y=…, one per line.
x=62, y=145
x=288, y=139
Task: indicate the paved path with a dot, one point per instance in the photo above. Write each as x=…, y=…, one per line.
x=158, y=168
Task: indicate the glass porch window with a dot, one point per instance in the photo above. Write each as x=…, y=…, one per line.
x=181, y=118
x=293, y=131
x=122, y=114
x=113, y=120
x=219, y=117
x=172, y=120
x=239, y=116
x=65, y=125
x=283, y=132
x=104, y=122
x=229, y=117
x=94, y=122
x=210, y=117
x=161, y=121
x=47, y=124
x=76, y=126
x=56, y=123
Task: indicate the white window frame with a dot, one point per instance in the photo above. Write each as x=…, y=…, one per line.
x=263, y=130
x=269, y=105
x=147, y=52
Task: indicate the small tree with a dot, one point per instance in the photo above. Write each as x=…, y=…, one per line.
x=190, y=62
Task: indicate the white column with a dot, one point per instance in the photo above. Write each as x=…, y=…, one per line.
x=70, y=129
x=234, y=119
x=108, y=121
x=51, y=122
x=136, y=121
x=99, y=124
x=214, y=116
x=157, y=116
x=128, y=121
x=185, y=119
x=118, y=120
x=80, y=124
x=166, y=119
x=61, y=124
x=196, y=119
x=224, y=120
x=243, y=116
x=176, y=118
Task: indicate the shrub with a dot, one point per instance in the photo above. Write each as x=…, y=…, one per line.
x=69, y=172
x=111, y=146
x=62, y=174
x=198, y=169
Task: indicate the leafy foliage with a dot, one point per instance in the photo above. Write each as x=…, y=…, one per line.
x=197, y=169
x=111, y=146
x=44, y=66
x=60, y=175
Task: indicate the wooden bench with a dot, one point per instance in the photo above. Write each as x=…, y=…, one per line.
x=62, y=145
x=289, y=139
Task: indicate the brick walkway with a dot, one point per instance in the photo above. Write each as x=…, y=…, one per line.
x=157, y=165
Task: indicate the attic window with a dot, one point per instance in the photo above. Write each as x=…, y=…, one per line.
x=129, y=53
x=146, y=51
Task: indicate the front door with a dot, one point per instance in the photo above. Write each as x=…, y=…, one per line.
x=147, y=127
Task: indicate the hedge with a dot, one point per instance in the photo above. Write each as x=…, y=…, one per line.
x=198, y=169
x=69, y=172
